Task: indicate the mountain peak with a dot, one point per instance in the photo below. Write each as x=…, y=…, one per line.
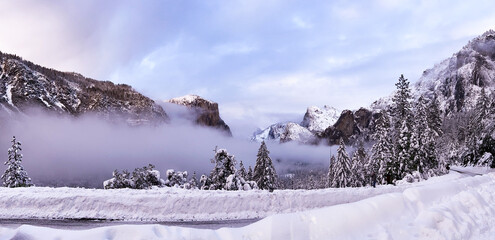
x=206, y=110
x=189, y=100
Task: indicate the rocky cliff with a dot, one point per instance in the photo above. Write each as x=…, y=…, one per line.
x=207, y=112
x=25, y=85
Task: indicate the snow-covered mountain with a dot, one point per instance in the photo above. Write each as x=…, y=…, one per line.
x=458, y=80
x=206, y=112
x=285, y=132
x=24, y=85
x=314, y=123
x=317, y=120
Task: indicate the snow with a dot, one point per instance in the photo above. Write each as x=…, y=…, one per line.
x=8, y=93
x=318, y=119
x=448, y=207
x=45, y=102
x=175, y=204
x=186, y=100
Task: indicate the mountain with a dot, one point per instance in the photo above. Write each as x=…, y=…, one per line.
x=285, y=132
x=317, y=120
x=206, y=112
x=25, y=85
x=457, y=81
x=314, y=123
x=351, y=126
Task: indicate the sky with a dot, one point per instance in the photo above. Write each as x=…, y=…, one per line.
x=263, y=61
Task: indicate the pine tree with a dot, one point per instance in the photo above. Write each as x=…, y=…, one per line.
x=402, y=128
x=358, y=161
x=264, y=172
x=331, y=173
x=342, y=168
x=224, y=167
x=401, y=108
x=475, y=128
x=242, y=171
x=15, y=175
x=249, y=176
x=424, y=140
x=382, y=163
x=435, y=117
x=194, y=181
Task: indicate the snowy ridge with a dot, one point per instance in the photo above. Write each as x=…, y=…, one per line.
x=187, y=100
x=448, y=207
x=314, y=123
x=25, y=85
x=317, y=120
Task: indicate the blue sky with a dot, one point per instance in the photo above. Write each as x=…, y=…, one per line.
x=262, y=61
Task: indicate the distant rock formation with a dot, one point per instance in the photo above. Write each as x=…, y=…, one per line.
x=207, y=111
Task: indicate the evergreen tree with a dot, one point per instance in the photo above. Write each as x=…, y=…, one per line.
x=264, y=172
x=425, y=155
x=342, y=168
x=242, y=171
x=382, y=163
x=358, y=161
x=434, y=117
x=224, y=167
x=15, y=175
x=402, y=128
x=401, y=108
x=249, y=175
x=331, y=173
x=194, y=181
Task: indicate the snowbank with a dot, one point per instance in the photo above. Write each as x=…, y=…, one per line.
x=455, y=208
x=173, y=204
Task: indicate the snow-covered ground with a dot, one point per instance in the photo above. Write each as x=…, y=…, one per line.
x=454, y=206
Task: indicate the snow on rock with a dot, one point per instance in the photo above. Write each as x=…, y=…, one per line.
x=314, y=123
x=296, y=132
x=448, y=207
x=317, y=119
x=187, y=100
x=285, y=132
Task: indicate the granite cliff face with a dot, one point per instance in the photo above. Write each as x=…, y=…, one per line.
x=351, y=125
x=207, y=112
x=25, y=85
x=457, y=81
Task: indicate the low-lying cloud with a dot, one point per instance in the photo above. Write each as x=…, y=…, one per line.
x=66, y=151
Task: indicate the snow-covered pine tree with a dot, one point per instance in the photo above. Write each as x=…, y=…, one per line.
x=224, y=167
x=241, y=172
x=401, y=107
x=404, y=151
x=342, y=168
x=331, y=173
x=382, y=162
x=402, y=127
x=264, y=173
x=434, y=117
x=423, y=140
x=358, y=161
x=249, y=175
x=194, y=181
x=475, y=128
x=15, y=175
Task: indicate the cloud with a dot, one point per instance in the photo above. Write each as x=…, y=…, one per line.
x=63, y=151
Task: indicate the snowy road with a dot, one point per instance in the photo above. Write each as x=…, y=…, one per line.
x=89, y=224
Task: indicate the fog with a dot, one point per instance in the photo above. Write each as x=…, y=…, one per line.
x=66, y=151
